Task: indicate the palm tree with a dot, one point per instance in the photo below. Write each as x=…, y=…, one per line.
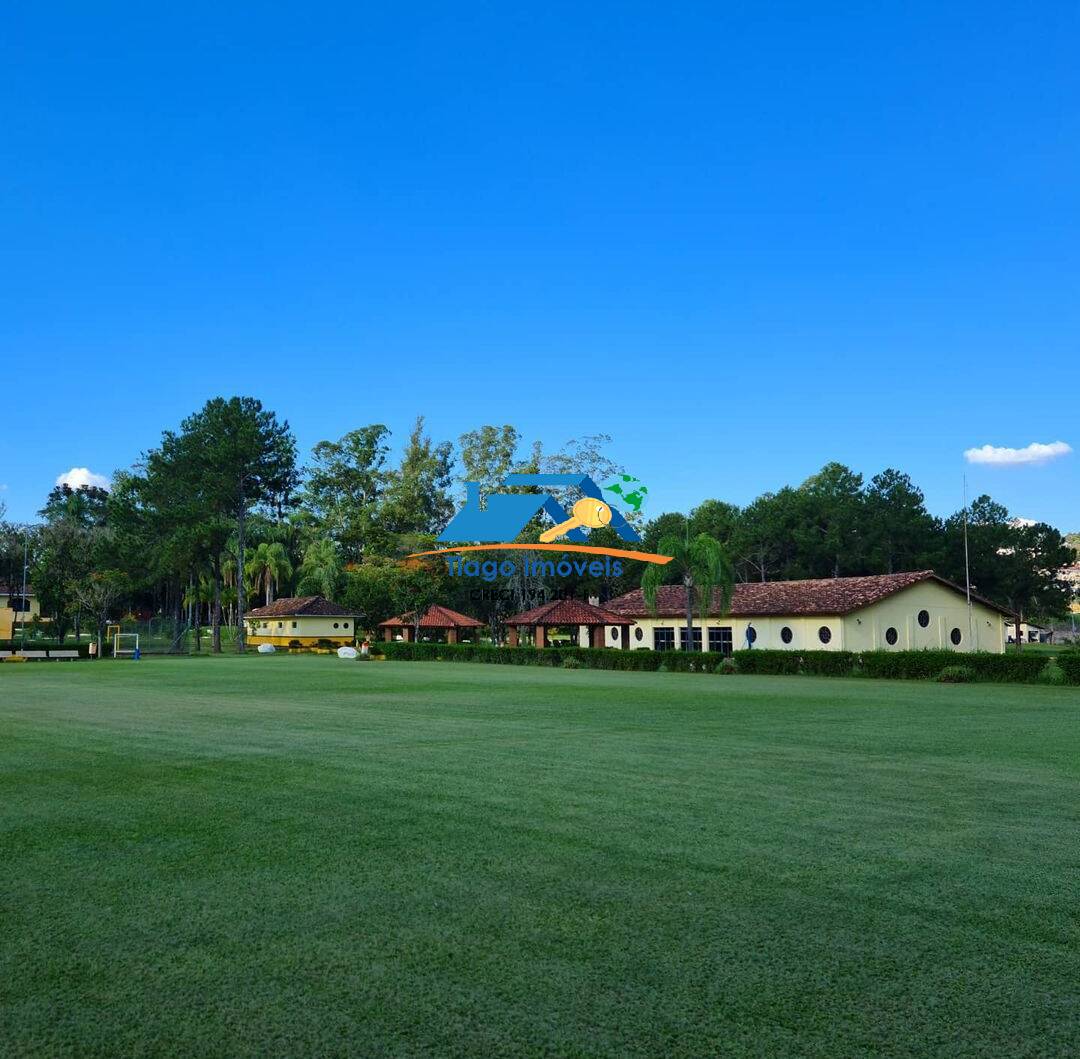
x=268, y=566
x=321, y=570
x=703, y=567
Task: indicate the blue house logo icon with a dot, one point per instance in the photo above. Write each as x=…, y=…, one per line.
x=507, y=514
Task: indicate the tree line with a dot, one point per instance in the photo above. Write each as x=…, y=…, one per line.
x=222, y=515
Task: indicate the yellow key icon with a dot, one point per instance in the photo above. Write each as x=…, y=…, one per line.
x=587, y=512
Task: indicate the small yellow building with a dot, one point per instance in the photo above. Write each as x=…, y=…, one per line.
x=886, y=612
x=15, y=608
x=300, y=621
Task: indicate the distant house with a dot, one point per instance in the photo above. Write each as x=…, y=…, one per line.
x=300, y=621
x=16, y=608
x=885, y=612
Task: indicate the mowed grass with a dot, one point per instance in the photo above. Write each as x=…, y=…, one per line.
x=297, y=855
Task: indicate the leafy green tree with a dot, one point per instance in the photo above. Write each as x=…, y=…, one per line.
x=832, y=516
x=583, y=455
x=268, y=566
x=417, y=498
x=717, y=519
x=345, y=486
x=704, y=569
x=85, y=506
x=370, y=589
x=68, y=550
x=669, y=524
x=488, y=455
x=900, y=533
x=764, y=539
x=1032, y=585
x=322, y=570
x=99, y=594
x=989, y=535
x=237, y=455
x=418, y=587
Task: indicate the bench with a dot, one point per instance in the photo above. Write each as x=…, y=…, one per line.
x=63, y=654
x=31, y=654
x=5, y=654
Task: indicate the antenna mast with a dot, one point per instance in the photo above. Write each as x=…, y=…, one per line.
x=967, y=572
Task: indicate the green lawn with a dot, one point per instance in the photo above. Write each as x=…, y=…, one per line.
x=297, y=855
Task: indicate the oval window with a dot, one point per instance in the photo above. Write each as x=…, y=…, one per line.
x=639, y=634
x=956, y=637
x=891, y=636
x=924, y=618
x=786, y=634
x=751, y=634
x=344, y=624
x=824, y=634
x=615, y=633
x=335, y=624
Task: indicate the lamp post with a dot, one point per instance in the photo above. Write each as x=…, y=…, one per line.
x=22, y=599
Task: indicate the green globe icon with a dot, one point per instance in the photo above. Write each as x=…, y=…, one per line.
x=627, y=493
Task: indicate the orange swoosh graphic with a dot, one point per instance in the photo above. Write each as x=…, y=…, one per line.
x=617, y=553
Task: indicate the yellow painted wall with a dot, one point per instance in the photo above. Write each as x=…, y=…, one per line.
x=279, y=631
x=11, y=619
x=864, y=630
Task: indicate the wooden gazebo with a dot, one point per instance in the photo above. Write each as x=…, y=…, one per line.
x=574, y=614
x=438, y=620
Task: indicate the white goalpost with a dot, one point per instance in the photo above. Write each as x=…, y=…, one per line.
x=125, y=643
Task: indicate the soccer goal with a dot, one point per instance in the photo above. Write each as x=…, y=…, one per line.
x=125, y=643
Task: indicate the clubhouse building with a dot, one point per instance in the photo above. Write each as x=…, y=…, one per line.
x=884, y=612
x=300, y=621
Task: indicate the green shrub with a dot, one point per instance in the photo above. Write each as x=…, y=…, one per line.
x=898, y=665
x=1069, y=664
x=570, y=662
x=956, y=675
x=828, y=663
x=767, y=663
x=726, y=667
x=1052, y=674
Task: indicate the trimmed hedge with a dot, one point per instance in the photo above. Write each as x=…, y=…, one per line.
x=896, y=665
x=1069, y=663
x=926, y=665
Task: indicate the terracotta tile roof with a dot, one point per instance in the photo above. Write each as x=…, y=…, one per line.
x=15, y=590
x=301, y=607
x=569, y=612
x=437, y=617
x=832, y=596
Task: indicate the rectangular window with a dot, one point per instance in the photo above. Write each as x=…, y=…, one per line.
x=664, y=639
x=294, y=624
x=697, y=638
x=720, y=639
x=19, y=604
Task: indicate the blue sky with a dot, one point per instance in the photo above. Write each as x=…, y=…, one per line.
x=742, y=239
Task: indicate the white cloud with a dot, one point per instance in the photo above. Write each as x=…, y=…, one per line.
x=82, y=476
x=1005, y=457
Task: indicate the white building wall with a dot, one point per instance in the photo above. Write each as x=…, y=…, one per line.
x=863, y=630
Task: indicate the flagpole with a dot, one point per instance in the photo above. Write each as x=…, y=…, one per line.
x=967, y=572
